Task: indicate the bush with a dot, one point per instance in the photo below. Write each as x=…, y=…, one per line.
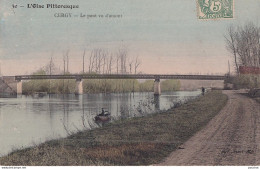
x=170, y=85
x=245, y=81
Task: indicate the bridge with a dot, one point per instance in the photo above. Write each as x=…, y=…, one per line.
x=80, y=77
x=120, y=76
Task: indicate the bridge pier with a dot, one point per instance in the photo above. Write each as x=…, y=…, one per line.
x=157, y=87
x=19, y=87
x=79, y=86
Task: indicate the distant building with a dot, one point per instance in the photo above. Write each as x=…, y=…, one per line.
x=249, y=70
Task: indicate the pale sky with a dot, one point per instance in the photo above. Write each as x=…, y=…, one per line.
x=166, y=35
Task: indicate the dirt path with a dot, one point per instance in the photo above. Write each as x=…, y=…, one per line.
x=230, y=138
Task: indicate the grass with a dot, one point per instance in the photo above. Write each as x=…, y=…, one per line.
x=137, y=141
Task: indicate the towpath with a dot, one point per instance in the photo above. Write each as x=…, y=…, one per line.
x=230, y=138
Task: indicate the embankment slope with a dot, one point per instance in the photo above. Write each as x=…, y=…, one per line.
x=137, y=141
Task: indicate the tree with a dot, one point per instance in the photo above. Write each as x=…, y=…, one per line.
x=110, y=64
x=130, y=63
x=91, y=62
x=243, y=43
x=66, y=59
x=83, y=61
x=67, y=54
x=122, y=58
x=137, y=64
x=231, y=45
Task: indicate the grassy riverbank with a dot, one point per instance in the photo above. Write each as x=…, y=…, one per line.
x=136, y=141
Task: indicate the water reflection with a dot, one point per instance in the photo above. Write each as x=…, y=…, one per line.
x=27, y=120
x=157, y=102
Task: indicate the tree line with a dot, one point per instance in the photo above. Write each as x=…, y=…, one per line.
x=244, y=45
x=243, y=42
x=65, y=86
x=100, y=61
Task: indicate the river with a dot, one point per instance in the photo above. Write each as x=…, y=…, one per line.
x=26, y=121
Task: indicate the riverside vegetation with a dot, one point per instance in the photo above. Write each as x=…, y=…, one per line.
x=136, y=141
x=245, y=81
x=95, y=85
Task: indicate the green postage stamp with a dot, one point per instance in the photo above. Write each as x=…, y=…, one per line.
x=214, y=9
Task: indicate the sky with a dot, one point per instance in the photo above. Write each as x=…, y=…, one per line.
x=166, y=36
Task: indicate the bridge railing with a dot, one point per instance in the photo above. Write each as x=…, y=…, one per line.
x=121, y=76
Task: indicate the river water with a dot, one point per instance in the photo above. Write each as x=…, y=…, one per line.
x=26, y=120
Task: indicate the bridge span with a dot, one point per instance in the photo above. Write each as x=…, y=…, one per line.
x=121, y=76
x=79, y=77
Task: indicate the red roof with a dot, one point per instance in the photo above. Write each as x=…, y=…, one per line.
x=249, y=70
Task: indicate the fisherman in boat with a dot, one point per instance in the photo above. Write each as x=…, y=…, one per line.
x=102, y=113
x=103, y=117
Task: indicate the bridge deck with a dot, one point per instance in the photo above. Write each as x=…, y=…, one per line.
x=121, y=76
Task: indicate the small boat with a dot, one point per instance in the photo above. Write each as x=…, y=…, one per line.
x=103, y=118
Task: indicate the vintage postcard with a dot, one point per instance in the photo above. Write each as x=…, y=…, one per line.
x=129, y=83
